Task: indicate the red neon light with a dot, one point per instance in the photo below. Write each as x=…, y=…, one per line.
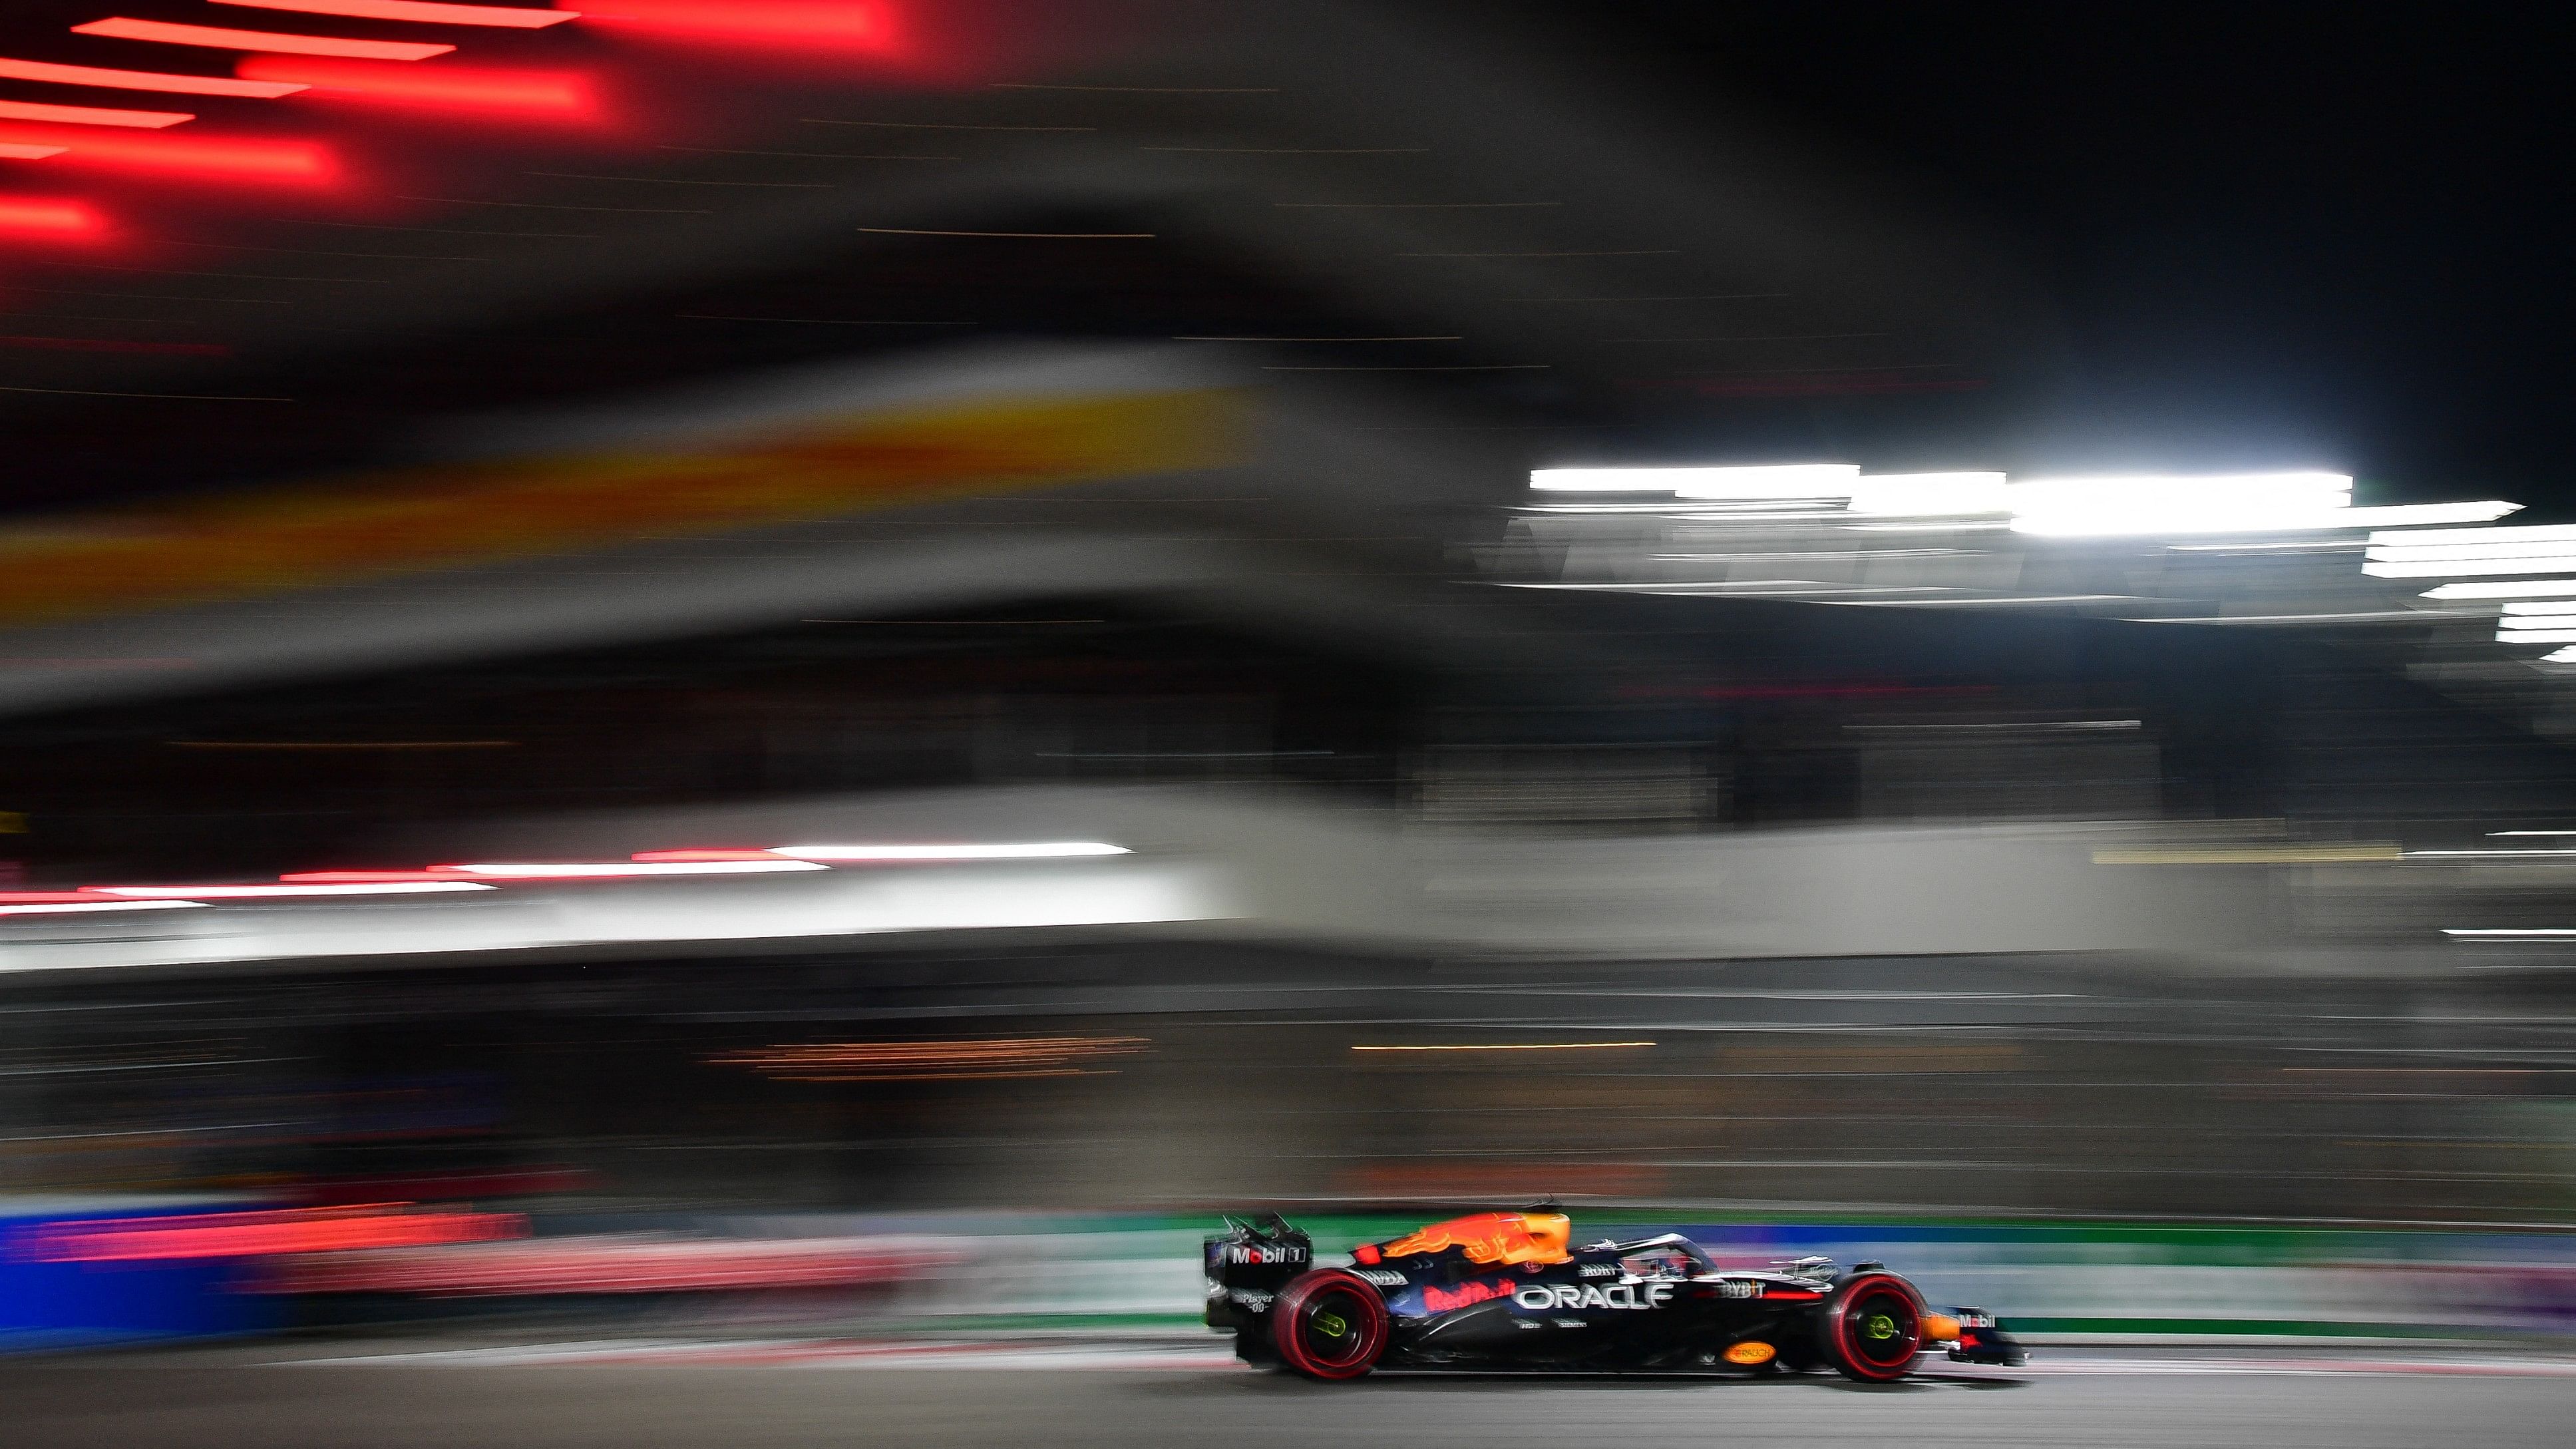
x=557, y=93
x=90, y=115
x=140, y=80
x=45, y=898
x=61, y=220
x=801, y=24
x=213, y=158
x=218, y=38
x=420, y=12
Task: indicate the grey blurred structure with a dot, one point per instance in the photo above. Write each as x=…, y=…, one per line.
x=2102, y=878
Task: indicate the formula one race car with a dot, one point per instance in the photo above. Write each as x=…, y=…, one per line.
x=1503, y=1290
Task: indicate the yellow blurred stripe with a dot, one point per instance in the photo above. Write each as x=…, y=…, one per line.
x=447, y=517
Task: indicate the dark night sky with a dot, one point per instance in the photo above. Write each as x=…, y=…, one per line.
x=2337, y=231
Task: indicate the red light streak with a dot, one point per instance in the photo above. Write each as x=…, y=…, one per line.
x=557, y=93
x=841, y=25
x=301, y=890
x=31, y=216
x=211, y=158
x=90, y=115
x=420, y=12
x=757, y=863
x=140, y=80
x=218, y=38
x=23, y=151
x=601, y=1263
x=44, y=898
x=358, y=877
x=260, y=1234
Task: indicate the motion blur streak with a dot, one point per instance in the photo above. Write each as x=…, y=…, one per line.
x=20, y=151
x=566, y=95
x=359, y=877
x=1796, y=480
x=557, y=1266
x=2405, y=565
x=578, y=870
x=217, y=38
x=788, y=25
x=261, y=1234
x=1527, y=1046
x=420, y=12
x=942, y=1060
x=191, y=156
x=90, y=115
x=1033, y=850
x=137, y=80
x=835, y=671
x=28, y=216
x=79, y=908
x=293, y=891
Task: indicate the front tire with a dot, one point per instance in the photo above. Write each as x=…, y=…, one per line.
x=1329, y=1324
x=1872, y=1328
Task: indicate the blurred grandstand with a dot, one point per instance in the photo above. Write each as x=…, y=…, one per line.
x=1132, y=447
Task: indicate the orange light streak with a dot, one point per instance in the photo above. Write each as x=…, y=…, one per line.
x=934, y=1061
x=90, y=115
x=217, y=38
x=419, y=12
x=140, y=80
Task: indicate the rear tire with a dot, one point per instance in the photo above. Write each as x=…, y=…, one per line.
x=1872, y=1328
x=1329, y=1324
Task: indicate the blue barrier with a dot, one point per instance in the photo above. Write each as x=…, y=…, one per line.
x=47, y=1305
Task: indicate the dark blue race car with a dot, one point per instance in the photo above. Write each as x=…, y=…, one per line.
x=1506, y=1290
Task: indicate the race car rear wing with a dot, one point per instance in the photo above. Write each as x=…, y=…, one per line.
x=1247, y=1265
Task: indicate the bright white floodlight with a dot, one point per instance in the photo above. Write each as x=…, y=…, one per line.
x=1930, y=495
x=1013, y=850
x=2506, y=589
x=2446, y=537
x=2435, y=568
x=2146, y=504
x=1786, y=480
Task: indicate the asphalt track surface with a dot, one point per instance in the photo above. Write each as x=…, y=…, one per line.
x=268, y=1397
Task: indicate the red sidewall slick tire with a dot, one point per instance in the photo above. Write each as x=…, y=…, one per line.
x=1329, y=1324
x=1873, y=1328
